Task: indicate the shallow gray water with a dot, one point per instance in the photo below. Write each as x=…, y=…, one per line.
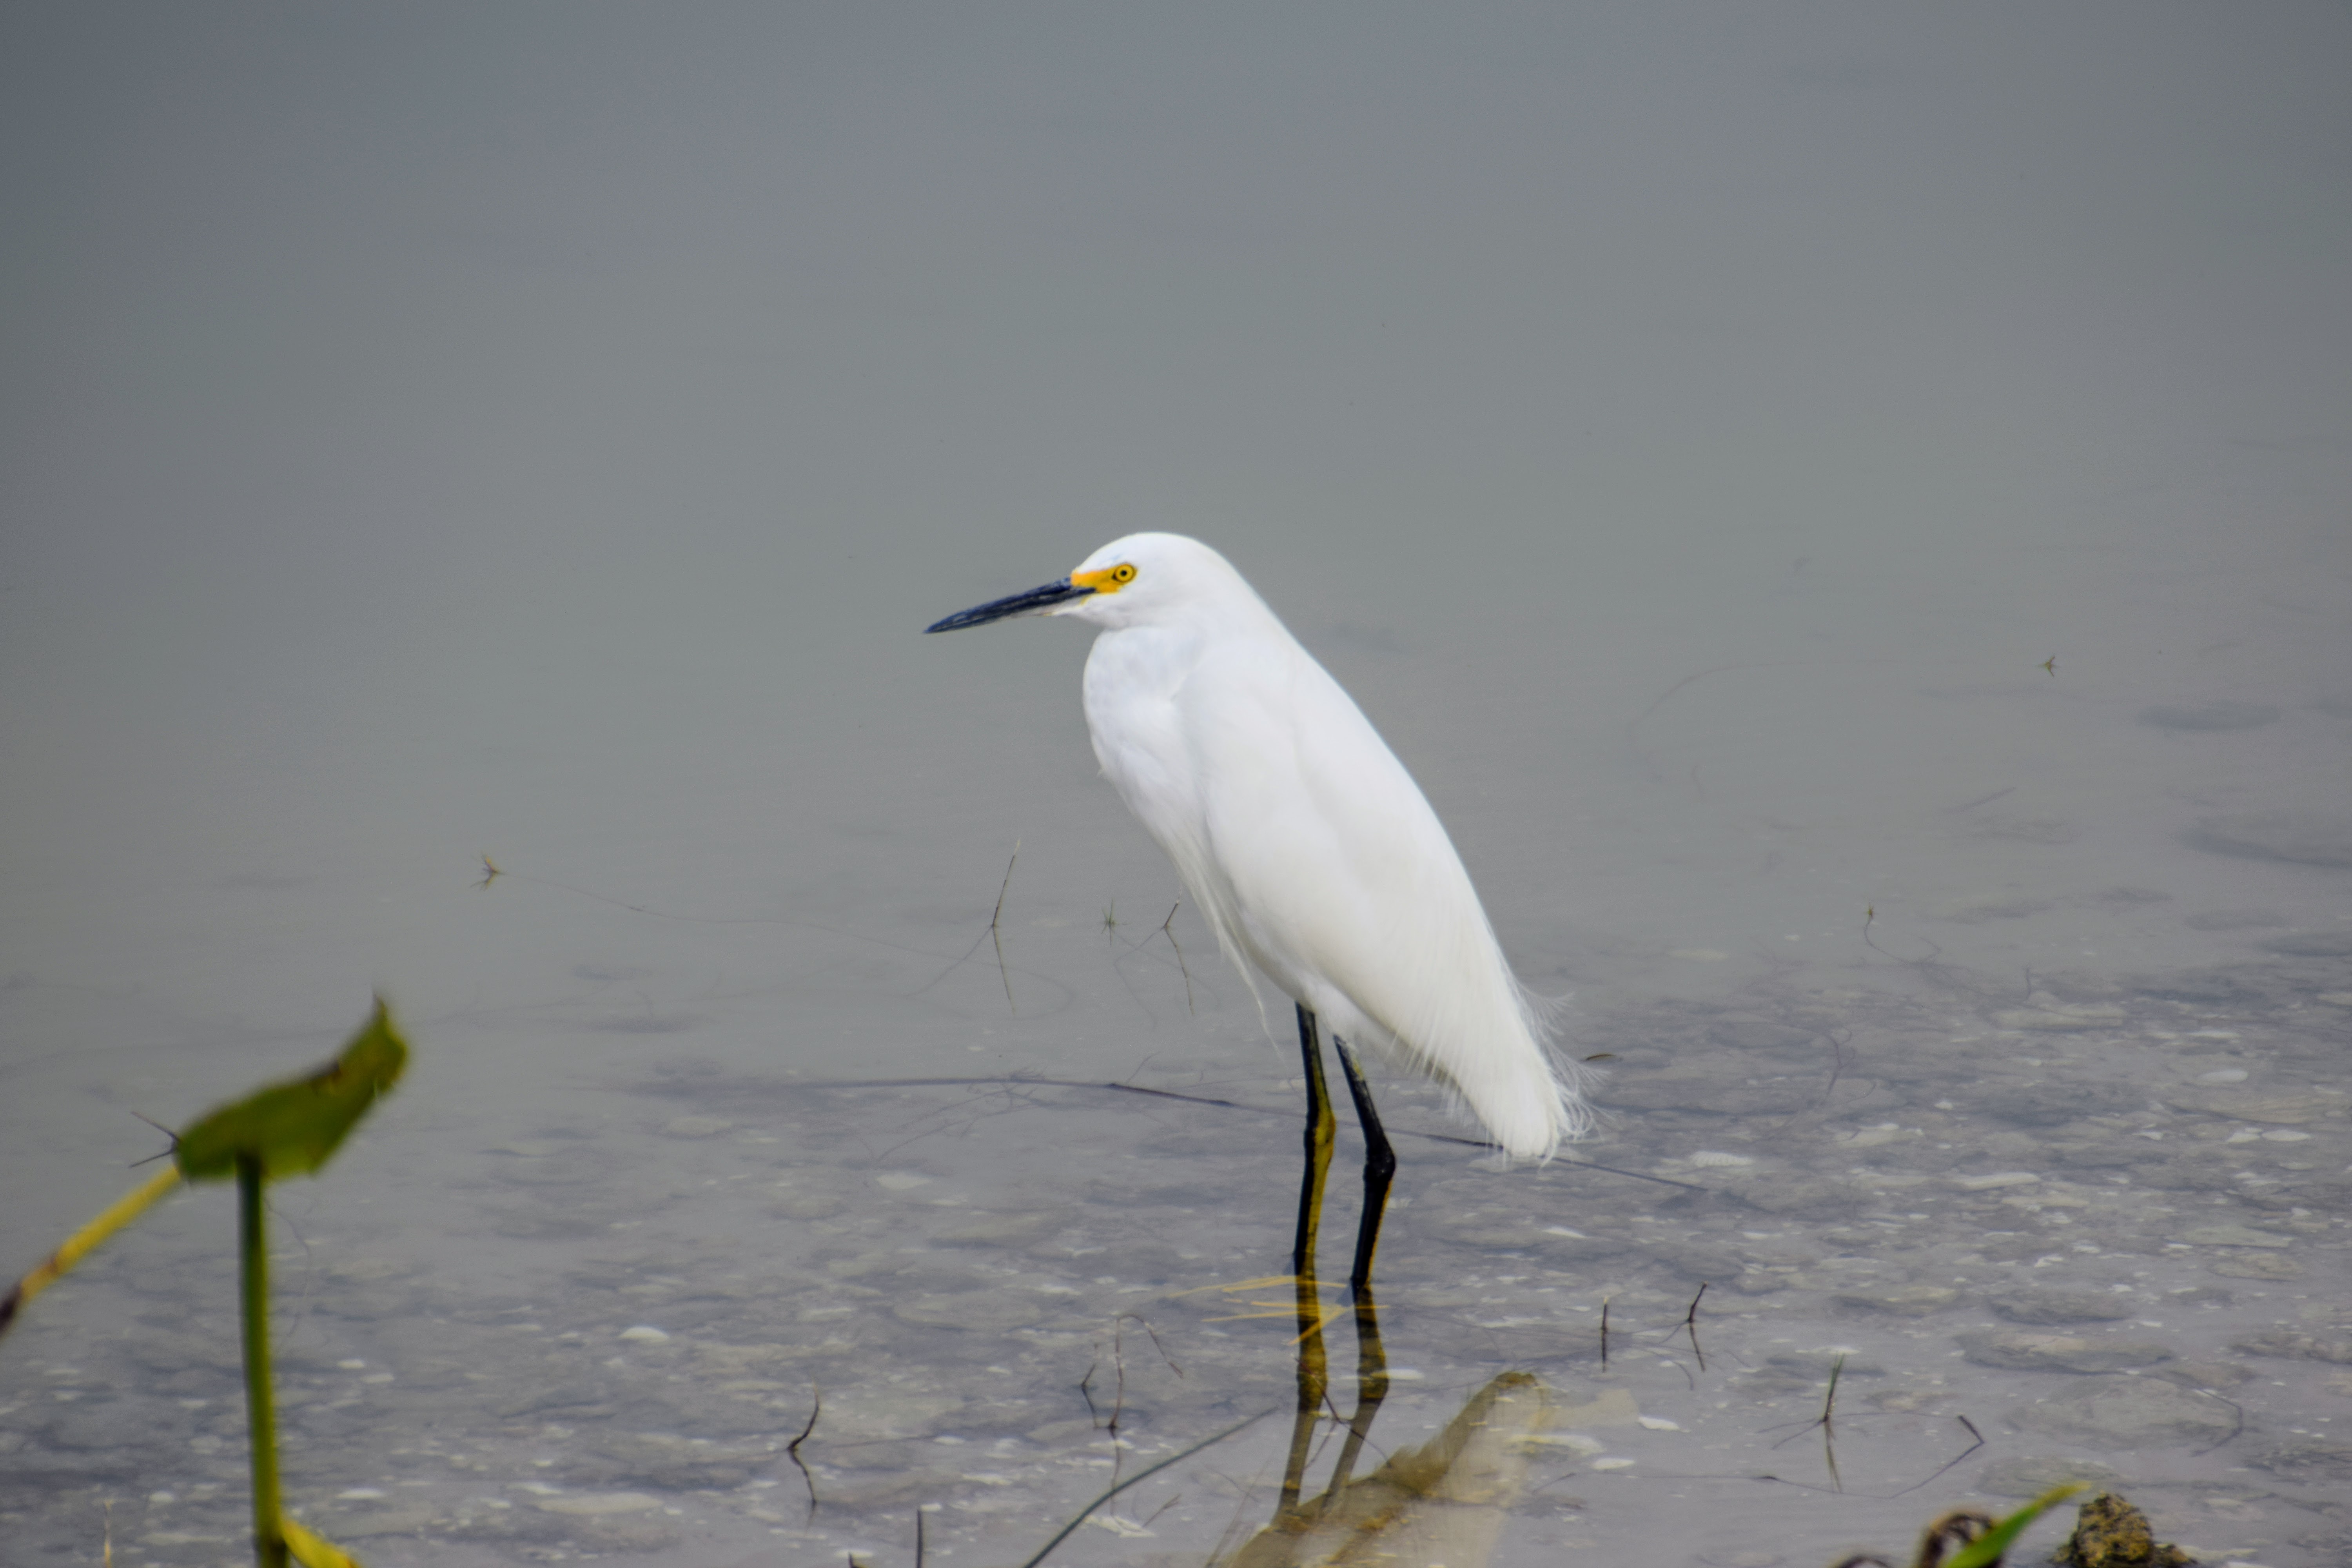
x=1688, y=438
x=2100, y=1230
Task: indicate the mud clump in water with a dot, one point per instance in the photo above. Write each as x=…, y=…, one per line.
x=2111, y=1533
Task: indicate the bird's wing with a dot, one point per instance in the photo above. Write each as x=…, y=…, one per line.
x=1141, y=726
x=1346, y=890
x=1337, y=866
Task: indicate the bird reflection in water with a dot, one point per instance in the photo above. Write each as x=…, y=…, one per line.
x=1443, y=1502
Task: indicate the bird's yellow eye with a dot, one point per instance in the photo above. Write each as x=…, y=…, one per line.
x=1106, y=579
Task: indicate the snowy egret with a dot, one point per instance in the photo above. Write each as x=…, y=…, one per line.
x=1306, y=847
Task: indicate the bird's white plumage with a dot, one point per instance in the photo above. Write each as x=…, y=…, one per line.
x=1302, y=839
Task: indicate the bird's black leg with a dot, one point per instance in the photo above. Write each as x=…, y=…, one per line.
x=1379, y=1166
x=1322, y=1127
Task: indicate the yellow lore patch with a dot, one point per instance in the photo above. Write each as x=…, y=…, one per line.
x=1109, y=580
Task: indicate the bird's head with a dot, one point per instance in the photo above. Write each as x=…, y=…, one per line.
x=1135, y=580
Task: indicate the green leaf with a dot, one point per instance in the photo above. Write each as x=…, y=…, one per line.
x=1988, y=1547
x=293, y=1127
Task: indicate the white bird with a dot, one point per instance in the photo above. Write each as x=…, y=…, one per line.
x=1307, y=846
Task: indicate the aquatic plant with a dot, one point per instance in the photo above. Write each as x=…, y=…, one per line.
x=288, y=1129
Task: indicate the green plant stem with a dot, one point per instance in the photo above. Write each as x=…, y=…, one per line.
x=261, y=1415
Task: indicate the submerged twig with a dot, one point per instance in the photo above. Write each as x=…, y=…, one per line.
x=1168, y=930
x=1981, y=800
x=1829, y=1407
x=165, y=1153
x=1837, y=1039
x=1979, y=1442
x=1140, y=1476
x=1870, y=918
x=993, y=933
x=1010, y=1083
x=1690, y=1323
x=1118, y=1402
x=1119, y=1386
x=2237, y=1410
x=792, y=1449
x=1976, y=1441
x=1827, y=1423
x=77, y=1246
x=310, y=1277
x=1147, y=1329
x=995, y=918
x=1604, y=1333
x=1583, y=1164
x=653, y=912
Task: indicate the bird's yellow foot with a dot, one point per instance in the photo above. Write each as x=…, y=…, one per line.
x=1306, y=1304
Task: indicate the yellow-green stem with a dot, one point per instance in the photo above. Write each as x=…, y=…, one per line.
x=77, y=1246
x=261, y=1419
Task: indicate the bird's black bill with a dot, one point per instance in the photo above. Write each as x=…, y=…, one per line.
x=1036, y=599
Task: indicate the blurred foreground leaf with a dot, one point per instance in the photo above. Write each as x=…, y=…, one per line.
x=1988, y=1547
x=311, y=1550
x=293, y=1127
x=78, y=1244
